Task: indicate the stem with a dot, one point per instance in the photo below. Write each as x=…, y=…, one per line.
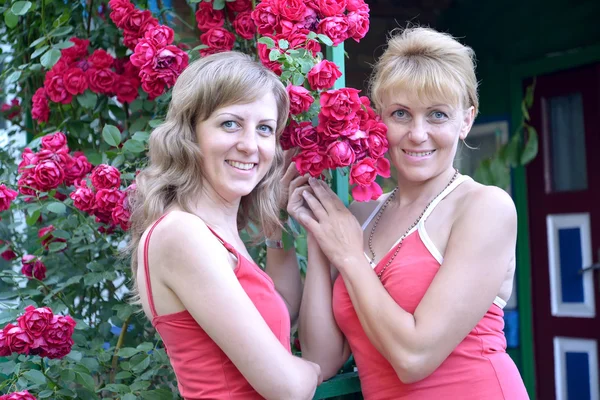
x=126, y=108
x=89, y=21
x=115, y=357
x=43, y=367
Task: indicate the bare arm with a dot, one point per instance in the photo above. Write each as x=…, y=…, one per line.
x=479, y=252
x=193, y=266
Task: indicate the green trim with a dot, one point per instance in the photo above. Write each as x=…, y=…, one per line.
x=520, y=72
x=339, y=385
x=340, y=181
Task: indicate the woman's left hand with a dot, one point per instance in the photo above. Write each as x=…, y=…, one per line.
x=336, y=230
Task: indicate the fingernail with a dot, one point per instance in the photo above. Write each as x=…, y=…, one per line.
x=311, y=180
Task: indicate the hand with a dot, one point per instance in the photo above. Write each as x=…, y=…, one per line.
x=296, y=204
x=336, y=230
x=291, y=172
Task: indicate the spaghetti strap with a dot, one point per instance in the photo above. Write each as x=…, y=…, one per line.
x=147, y=268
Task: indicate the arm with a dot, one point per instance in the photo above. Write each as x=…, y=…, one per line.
x=480, y=249
x=321, y=340
x=196, y=267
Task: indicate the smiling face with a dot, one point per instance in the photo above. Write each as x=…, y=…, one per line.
x=423, y=134
x=238, y=144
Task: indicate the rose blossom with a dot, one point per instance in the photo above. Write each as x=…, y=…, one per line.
x=100, y=59
x=340, y=154
x=207, y=17
x=35, y=320
x=311, y=162
x=33, y=267
x=59, y=330
x=119, y=10
x=330, y=8
x=358, y=25
x=101, y=80
x=239, y=6
x=333, y=128
x=120, y=216
x=74, y=52
x=15, y=106
x=23, y=395
x=54, y=142
x=217, y=40
x=266, y=17
x=17, y=339
x=77, y=168
x=40, y=110
x=340, y=104
x=8, y=255
x=323, y=75
x=83, y=198
x=160, y=35
x=170, y=63
x=304, y=135
x=48, y=175
x=106, y=177
x=137, y=22
x=292, y=10
x=55, y=88
x=46, y=235
x=263, y=54
x=357, y=5
x=300, y=99
x=244, y=25
x=377, y=141
x=4, y=349
x=335, y=28
x=106, y=201
x=7, y=196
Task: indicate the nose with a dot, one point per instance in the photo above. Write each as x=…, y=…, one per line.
x=247, y=141
x=418, y=131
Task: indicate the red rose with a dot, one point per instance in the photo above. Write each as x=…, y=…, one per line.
x=126, y=89
x=266, y=17
x=45, y=234
x=160, y=35
x=285, y=140
x=55, y=352
x=357, y=5
x=35, y=320
x=263, y=54
x=137, y=22
x=54, y=142
x=334, y=128
x=24, y=395
x=130, y=39
x=75, y=81
x=74, y=52
x=304, y=135
x=144, y=53
x=154, y=87
x=83, y=198
x=297, y=38
x=244, y=25
x=217, y=39
x=335, y=28
x=331, y=8
x=101, y=80
x=13, y=109
x=4, y=349
x=106, y=177
x=377, y=140
x=239, y=6
x=7, y=196
x=292, y=10
x=40, y=110
x=59, y=330
x=311, y=162
x=100, y=59
x=55, y=88
x=27, y=185
x=48, y=175
x=8, y=255
x=207, y=17
x=120, y=216
x=340, y=104
x=340, y=154
x=363, y=172
x=119, y=10
x=358, y=25
x=367, y=193
x=106, y=201
x=300, y=99
x=17, y=339
x=323, y=75
x=170, y=63
x=78, y=167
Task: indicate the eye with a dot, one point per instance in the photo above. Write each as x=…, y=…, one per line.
x=401, y=114
x=230, y=125
x=265, y=130
x=439, y=115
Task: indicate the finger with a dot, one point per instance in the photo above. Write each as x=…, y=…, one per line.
x=308, y=221
x=315, y=205
x=290, y=173
x=329, y=200
x=297, y=182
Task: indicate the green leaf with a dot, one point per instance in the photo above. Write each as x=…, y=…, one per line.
x=10, y=19
x=86, y=380
x=155, y=122
x=138, y=125
x=325, y=39
x=510, y=152
x=139, y=385
x=116, y=387
x=199, y=47
x=37, y=41
x=56, y=208
x=45, y=394
x=117, y=112
x=93, y=157
x=531, y=147
x=13, y=77
x=297, y=79
x=219, y=4
x=20, y=7
x=159, y=394
x=123, y=375
x=87, y=99
x=39, y=51
x=65, y=44
x=142, y=365
x=268, y=41
x=63, y=30
x=129, y=396
x=50, y=58
x=92, y=278
x=67, y=392
x=123, y=311
x=57, y=246
x=133, y=146
x=33, y=218
x=111, y=135
x=35, y=376
x=118, y=161
x=141, y=136
x=127, y=352
x=283, y=44
x=274, y=54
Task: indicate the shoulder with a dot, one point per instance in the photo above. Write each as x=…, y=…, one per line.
x=363, y=209
x=487, y=206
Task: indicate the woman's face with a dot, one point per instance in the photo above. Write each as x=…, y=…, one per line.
x=423, y=134
x=238, y=145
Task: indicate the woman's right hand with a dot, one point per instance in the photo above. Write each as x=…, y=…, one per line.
x=296, y=205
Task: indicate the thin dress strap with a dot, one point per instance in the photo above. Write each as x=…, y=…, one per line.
x=459, y=179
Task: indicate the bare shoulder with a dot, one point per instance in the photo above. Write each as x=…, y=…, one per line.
x=363, y=209
x=488, y=205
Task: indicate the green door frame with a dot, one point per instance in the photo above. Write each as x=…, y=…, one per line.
x=518, y=73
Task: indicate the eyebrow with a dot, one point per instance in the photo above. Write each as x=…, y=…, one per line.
x=429, y=108
x=242, y=119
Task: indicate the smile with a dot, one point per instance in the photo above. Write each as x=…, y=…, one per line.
x=240, y=165
x=419, y=153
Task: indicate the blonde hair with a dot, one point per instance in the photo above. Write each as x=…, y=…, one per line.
x=174, y=172
x=431, y=64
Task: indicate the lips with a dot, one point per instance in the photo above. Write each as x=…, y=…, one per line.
x=241, y=165
x=419, y=153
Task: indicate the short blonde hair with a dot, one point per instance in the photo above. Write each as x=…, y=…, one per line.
x=431, y=64
x=174, y=172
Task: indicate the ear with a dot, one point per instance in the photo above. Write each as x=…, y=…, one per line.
x=467, y=123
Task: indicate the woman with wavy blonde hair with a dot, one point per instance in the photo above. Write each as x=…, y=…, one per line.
x=215, y=166
x=421, y=275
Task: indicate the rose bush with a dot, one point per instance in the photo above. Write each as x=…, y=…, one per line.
x=86, y=82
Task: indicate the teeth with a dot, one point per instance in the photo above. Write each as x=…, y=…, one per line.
x=420, y=154
x=240, y=165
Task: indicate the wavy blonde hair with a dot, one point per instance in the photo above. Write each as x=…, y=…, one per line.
x=431, y=64
x=174, y=172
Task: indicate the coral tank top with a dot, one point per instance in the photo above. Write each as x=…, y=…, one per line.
x=202, y=369
x=477, y=369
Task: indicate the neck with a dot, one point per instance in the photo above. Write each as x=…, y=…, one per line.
x=218, y=212
x=410, y=192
